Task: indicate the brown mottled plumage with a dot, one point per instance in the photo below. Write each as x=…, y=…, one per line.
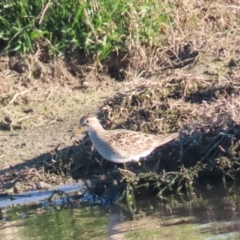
x=122, y=145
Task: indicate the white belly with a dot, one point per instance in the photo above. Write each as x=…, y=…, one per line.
x=120, y=159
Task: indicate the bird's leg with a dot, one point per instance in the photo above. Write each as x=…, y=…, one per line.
x=157, y=165
x=90, y=159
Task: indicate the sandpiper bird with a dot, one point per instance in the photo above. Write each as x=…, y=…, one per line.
x=121, y=145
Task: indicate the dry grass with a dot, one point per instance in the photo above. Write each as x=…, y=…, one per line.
x=197, y=31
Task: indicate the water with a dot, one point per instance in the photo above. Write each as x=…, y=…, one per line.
x=34, y=196
x=208, y=214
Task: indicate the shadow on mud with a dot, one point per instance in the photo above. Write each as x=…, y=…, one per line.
x=179, y=166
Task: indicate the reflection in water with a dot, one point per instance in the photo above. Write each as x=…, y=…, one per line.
x=209, y=214
x=212, y=214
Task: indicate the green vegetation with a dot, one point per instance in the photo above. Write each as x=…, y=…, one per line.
x=69, y=224
x=98, y=28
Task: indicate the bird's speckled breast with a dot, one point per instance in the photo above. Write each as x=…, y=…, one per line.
x=102, y=147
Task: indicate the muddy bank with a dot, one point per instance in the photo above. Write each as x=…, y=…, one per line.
x=203, y=108
x=205, y=112
x=190, y=86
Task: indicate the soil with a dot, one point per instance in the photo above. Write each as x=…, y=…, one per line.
x=48, y=124
x=38, y=120
x=41, y=103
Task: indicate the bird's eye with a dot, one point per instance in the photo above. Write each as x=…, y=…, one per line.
x=87, y=121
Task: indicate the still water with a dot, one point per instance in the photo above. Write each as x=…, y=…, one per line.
x=212, y=213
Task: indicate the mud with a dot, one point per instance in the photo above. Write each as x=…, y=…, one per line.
x=191, y=86
x=36, y=130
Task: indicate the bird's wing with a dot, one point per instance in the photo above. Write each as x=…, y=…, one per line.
x=134, y=143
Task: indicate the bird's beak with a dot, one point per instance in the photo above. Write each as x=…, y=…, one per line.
x=78, y=130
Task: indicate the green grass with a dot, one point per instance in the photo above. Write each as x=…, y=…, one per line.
x=96, y=27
